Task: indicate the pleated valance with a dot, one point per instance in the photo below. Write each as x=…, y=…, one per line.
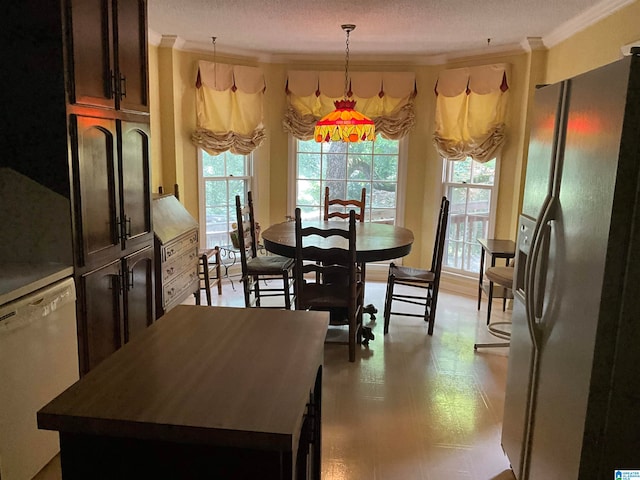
x=385, y=97
x=229, y=108
x=470, y=112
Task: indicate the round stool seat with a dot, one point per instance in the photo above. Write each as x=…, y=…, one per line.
x=501, y=275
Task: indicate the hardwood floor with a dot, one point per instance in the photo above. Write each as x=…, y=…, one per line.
x=412, y=407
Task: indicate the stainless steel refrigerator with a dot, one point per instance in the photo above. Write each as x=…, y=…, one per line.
x=572, y=405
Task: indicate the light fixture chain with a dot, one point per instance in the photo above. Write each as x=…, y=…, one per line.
x=215, y=73
x=346, y=68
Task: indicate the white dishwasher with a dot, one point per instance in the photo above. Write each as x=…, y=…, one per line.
x=38, y=360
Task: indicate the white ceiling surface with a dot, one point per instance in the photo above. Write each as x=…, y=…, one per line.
x=386, y=29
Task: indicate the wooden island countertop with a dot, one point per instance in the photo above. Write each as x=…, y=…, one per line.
x=211, y=376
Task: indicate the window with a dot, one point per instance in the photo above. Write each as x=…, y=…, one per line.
x=222, y=177
x=471, y=188
x=345, y=168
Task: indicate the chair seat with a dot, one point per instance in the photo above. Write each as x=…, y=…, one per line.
x=500, y=275
x=411, y=274
x=321, y=296
x=269, y=265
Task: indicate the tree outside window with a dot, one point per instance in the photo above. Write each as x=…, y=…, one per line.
x=222, y=177
x=346, y=168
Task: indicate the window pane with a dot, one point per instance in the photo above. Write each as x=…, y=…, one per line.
x=484, y=173
x=479, y=201
x=359, y=168
x=308, y=193
x=212, y=166
x=361, y=147
x=235, y=165
x=216, y=192
x=385, y=167
x=384, y=195
x=335, y=166
x=309, y=146
x=461, y=171
x=383, y=145
x=309, y=165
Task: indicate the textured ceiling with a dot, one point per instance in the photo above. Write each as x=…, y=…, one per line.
x=386, y=29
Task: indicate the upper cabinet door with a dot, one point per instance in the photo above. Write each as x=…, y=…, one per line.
x=135, y=181
x=91, y=65
x=107, y=50
x=98, y=226
x=131, y=40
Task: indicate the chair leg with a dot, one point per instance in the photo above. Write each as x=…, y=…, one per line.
x=287, y=298
x=246, y=285
x=207, y=281
x=490, y=302
x=256, y=290
x=432, y=310
x=387, y=303
x=353, y=327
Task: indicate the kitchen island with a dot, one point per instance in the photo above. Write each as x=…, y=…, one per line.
x=205, y=392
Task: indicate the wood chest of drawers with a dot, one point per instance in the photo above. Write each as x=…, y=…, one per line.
x=177, y=260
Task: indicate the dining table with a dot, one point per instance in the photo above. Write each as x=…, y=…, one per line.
x=375, y=242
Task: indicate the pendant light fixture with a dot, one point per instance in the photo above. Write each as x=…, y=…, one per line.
x=345, y=123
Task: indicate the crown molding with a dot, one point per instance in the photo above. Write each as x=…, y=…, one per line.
x=153, y=37
x=565, y=31
x=585, y=19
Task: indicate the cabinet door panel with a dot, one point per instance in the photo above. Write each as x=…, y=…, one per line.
x=136, y=190
x=101, y=314
x=95, y=180
x=91, y=53
x=139, y=294
x=131, y=33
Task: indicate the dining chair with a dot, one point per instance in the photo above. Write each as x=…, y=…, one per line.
x=427, y=280
x=333, y=283
x=331, y=213
x=264, y=267
x=209, y=272
x=344, y=212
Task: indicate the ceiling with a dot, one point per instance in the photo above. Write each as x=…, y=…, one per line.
x=389, y=30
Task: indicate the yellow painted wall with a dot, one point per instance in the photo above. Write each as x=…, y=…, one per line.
x=594, y=46
x=154, y=102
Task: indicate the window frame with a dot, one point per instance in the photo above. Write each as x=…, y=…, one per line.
x=249, y=178
x=401, y=183
x=493, y=207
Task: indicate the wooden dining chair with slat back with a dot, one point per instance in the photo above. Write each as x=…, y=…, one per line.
x=260, y=268
x=334, y=283
x=427, y=280
x=359, y=206
x=330, y=210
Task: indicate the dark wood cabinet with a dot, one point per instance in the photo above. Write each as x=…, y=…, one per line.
x=135, y=178
x=138, y=292
x=93, y=151
x=81, y=66
x=100, y=308
x=117, y=303
x=107, y=42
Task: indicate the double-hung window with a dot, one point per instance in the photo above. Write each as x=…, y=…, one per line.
x=346, y=168
x=222, y=177
x=472, y=190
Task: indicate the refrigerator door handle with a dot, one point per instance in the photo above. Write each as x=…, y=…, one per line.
x=531, y=266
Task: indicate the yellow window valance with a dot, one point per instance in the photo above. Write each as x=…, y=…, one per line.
x=470, y=111
x=385, y=97
x=229, y=108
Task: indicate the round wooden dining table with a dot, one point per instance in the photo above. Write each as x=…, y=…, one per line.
x=375, y=242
